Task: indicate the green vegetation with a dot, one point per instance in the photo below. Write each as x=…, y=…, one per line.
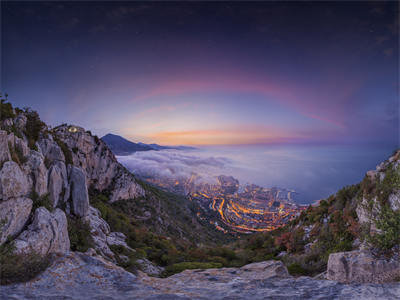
x=65, y=150
x=20, y=267
x=297, y=269
x=40, y=201
x=33, y=127
x=79, y=234
x=6, y=108
x=388, y=223
x=16, y=154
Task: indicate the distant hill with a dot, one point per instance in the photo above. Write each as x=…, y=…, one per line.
x=122, y=146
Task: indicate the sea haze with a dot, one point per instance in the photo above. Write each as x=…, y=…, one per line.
x=315, y=172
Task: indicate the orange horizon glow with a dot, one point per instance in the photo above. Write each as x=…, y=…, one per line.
x=220, y=137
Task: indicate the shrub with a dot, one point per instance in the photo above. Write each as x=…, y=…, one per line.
x=33, y=127
x=39, y=201
x=297, y=269
x=20, y=267
x=65, y=150
x=79, y=234
x=6, y=109
x=389, y=224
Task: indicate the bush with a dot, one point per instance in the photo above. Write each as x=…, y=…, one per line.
x=20, y=267
x=6, y=109
x=79, y=234
x=33, y=127
x=297, y=269
x=65, y=150
x=39, y=201
x=389, y=224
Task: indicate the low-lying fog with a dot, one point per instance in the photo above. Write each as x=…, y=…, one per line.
x=314, y=172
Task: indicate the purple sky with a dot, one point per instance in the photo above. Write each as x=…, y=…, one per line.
x=208, y=73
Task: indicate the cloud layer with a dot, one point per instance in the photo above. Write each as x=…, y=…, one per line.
x=176, y=164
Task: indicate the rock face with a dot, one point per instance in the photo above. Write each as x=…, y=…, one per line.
x=14, y=182
x=87, y=276
x=36, y=169
x=149, y=268
x=4, y=151
x=14, y=214
x=102, y=235
x=79, y=191
x=362, y=267
x=58, y=186
x=47, y=234
x=50, y=150
x=99, y=164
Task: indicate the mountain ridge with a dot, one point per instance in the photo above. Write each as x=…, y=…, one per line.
x=121, y=146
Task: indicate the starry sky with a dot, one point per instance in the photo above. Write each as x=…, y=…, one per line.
x=208, y=73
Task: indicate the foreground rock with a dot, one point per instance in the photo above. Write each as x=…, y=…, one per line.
x=83, y=276
x=362, y=267
x=47, y=234
x=14, y=214
x=14, y=182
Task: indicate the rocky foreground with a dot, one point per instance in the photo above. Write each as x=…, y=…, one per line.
x=88, y=276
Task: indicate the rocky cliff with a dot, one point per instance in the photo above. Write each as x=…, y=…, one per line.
x=45, y=175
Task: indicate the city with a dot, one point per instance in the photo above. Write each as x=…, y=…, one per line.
x=239, y=208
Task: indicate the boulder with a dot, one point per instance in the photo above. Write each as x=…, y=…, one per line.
x=14, y=182
x=47, y=234
x=149, y=268
x=51, y=151
x=79, y=191
x=4, y=150
x=361, y=266
x=36, y=169
x=21, y=146
x=58, y=187
x=14, y=214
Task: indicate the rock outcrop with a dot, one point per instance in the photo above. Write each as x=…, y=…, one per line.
x=103, y=172
x=4, y=150
x=58, y=186
x=14, y=214
x=79, y=191
x=87, y=276
x=37, y=171
x=47, y=234
x=14, y=183
x=103, y=238
x=362, y=267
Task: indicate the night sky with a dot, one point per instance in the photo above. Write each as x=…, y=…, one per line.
x=208, y=73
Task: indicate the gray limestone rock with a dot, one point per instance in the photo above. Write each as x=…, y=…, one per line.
x=14, y=182
x=79, y=191
x=58, y=186
x=47, y=234
x=14, y=214
x=362, y=267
